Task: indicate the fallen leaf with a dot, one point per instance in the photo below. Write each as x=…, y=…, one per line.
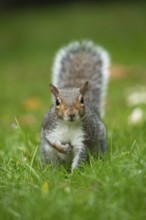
x=32, y=103
x=45, y=187
x=118, y=71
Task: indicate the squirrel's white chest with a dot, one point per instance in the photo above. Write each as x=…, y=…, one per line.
x=65, y=132
x=69, y=132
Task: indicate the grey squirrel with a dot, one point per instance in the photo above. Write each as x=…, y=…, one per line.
x=73, y=124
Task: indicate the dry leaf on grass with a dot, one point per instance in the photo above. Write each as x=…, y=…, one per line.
x=32, y=103
x=118, y=72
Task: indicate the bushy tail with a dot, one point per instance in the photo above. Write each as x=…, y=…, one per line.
x=79, y=62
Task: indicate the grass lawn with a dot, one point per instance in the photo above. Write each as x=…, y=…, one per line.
x=110, y=189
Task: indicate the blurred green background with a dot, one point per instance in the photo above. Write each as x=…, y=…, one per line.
x=29, y=39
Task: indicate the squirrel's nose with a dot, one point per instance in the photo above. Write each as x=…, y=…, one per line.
x=71, y=116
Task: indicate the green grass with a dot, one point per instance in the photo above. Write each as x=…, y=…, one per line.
x=110, y=189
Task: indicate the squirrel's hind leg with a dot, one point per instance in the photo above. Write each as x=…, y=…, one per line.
x=79, y=157
x=102, y=139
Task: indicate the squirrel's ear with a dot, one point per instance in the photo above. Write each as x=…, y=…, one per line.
x=54, y=90
x=84, y=88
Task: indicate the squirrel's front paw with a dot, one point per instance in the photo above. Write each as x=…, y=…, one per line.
x=67, y=147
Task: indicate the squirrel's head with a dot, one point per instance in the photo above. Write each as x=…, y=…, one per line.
x=69, y=102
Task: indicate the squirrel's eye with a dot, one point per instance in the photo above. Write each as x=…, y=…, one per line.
x=57, y=102
x=82, y=100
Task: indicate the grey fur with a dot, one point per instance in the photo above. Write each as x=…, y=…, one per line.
x=80, y=62
x=73, y=66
